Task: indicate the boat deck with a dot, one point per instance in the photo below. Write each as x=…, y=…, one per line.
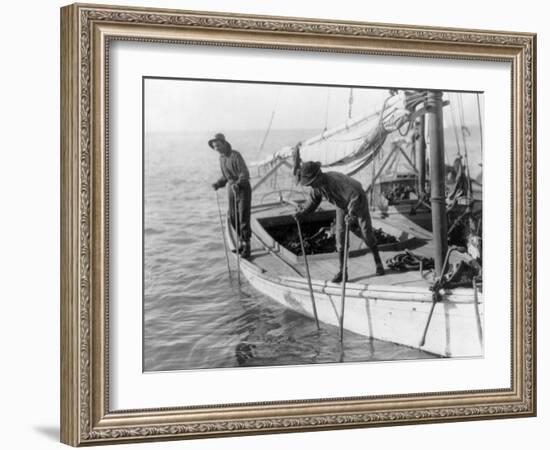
x=361, y=268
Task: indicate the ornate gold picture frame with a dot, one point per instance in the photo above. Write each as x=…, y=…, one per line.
x=87, y=32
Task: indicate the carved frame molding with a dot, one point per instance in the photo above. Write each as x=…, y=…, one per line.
x=86, y=32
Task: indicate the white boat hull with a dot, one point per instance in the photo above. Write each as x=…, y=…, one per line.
x=387, y=313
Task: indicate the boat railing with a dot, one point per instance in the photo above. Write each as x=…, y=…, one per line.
x=279, y=193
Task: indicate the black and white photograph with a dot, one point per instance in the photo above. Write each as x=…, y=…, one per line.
x=243, y=225
x=289, y=224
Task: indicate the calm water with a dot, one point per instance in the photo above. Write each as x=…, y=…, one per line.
x=194, y=318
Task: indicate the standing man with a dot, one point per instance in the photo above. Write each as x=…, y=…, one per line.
x=351, y=204
x=235, y=175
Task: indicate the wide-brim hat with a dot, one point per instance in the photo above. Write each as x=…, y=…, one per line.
x=218, y=137
x=309, y=172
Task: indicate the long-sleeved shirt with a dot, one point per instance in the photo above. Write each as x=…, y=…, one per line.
x=233, y=169
x=341, y=190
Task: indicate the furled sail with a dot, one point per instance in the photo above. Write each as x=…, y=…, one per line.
x=353, y=145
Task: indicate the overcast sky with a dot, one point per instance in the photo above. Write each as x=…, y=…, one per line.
x=206, y=106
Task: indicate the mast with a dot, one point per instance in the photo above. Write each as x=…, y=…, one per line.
x=350, y=103
x=434, y=107
x=420, y=153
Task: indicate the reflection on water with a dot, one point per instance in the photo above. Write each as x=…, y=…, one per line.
x=193, y=316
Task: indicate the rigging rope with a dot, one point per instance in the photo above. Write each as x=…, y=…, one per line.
x=454, y=129
x=326, y=111
x=461, y=119
x=465, y=129
x=270, y=121
x=480, y=124
x=409, y=125
x=372, y=184
x=409, y=261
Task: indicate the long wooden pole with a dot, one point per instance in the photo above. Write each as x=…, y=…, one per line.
x=307, y=273
x=436, y=296
x=344, y=276
x=435, y=299
x=478, y=316
x=223, y=236
x=238, y=236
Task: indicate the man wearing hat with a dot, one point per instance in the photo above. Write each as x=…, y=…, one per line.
x=351, y=204
x=235, y=175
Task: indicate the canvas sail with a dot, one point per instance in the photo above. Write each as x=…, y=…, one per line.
x=354, y=144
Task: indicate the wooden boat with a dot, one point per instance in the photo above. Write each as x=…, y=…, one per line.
x=394, y=307
x=399, y=307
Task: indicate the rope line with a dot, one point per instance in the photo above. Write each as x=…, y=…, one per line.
x=326, y=110
x=270, y=121
x=455, y=129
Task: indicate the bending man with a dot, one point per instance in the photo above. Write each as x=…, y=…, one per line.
x=235, y=175
x=351, y=204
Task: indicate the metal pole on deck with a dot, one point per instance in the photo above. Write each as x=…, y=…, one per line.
x=420, y=153
x=434, y=107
